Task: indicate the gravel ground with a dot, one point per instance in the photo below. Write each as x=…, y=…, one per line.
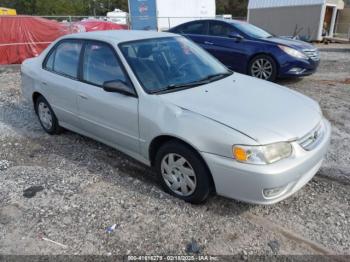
x=88, y=187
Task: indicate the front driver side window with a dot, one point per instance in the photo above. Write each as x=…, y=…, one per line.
x=101, y=64
x=220, y=29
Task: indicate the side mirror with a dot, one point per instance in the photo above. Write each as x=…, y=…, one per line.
x=236, y=36
x=118, y=86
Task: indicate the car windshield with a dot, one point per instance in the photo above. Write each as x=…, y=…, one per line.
x=171, y=63
x=252, y=30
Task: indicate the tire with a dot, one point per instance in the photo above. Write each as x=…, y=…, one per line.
x=180, y=173
x=263, y=67
x=46, y=116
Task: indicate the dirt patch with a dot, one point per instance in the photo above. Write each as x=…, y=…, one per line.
x=345, y=81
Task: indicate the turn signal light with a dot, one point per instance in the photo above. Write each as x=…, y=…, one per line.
x=240, y=154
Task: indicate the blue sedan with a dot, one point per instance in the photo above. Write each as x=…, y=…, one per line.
x=248, y=49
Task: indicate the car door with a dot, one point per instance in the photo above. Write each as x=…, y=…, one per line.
x=110, y=117
x=59, y=80
x=229, y=50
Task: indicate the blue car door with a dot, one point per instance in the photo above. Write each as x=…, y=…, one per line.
x=224, y=42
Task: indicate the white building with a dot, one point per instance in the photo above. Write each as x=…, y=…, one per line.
x=174, y=12
x=309, y=19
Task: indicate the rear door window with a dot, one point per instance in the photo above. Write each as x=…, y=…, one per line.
x=64, y=59
x=197, y=28
x=50, y=61
x=67, y=58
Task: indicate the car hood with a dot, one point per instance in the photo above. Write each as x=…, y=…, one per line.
x=264, y=111
x=297, y=44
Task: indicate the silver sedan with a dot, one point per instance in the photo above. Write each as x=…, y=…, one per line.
x=166, y=102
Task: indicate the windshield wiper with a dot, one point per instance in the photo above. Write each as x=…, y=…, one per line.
x=177, y=86
x=215, y=77
x=203, y=81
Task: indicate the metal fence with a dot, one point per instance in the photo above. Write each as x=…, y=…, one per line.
x=29, y=46
x=164, y=23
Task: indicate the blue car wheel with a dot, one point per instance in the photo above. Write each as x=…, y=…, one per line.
x=263, y=67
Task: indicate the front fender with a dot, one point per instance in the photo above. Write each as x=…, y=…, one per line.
x=202, y=133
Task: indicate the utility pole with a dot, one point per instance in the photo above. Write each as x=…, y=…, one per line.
x=94, y=7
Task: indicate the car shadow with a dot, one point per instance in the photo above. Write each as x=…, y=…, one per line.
x=97, y=157
x=131, y=168
x=289, y=81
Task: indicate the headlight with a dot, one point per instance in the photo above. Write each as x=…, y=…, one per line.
x=262, y=155
x=293, y=52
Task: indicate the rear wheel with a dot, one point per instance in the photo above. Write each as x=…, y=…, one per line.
x=263, y=67
x=182, y=172
x=47, y=117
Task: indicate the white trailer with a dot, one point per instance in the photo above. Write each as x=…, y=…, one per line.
x=118, y=16
x=310, y=19
x=171, y=13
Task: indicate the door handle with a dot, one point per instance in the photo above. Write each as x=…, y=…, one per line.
x=82, y=96
x=208, y=43
x=44, y=83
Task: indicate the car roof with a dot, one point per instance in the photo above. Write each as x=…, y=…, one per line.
x=119, y=35
x=228, y=21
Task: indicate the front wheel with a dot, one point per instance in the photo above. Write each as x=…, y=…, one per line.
x=183, y=173
x=263, y=67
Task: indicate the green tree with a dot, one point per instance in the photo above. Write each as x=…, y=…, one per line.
x=237, y=8
x=19, y=5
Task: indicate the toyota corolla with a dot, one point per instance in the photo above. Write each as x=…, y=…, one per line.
x=166, y=102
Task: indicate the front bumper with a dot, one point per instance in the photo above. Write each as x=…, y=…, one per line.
x=247, y=182
x=298, y=68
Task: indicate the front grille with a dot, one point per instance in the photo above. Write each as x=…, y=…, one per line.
x=313, y=138
x=313, y=54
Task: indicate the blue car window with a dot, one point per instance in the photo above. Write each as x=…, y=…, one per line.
x=220, y=29
x=198, y=28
